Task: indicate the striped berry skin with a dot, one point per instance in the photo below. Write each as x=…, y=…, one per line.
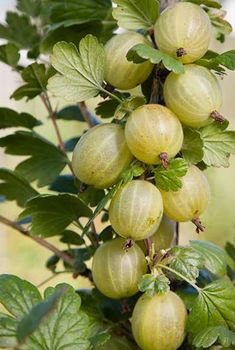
x=193, y=96
x=121, y=73
x=163, y=237
x=151, y=130
x=101, y=155
x=136, y=210
x=158, y=322
x=183, y=31
x=189, y=202
x=116, y=272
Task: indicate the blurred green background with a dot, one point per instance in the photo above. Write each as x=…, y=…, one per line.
x=20, y=256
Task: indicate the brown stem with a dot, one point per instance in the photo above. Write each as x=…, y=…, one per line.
x=66, y=258
x=47, y=104
x=164, y=159
x=52, y=115
x=148, y=244
x=86, y=114
x=154, y=98
x=177, y=233
x=217, y=117
x=199, y=227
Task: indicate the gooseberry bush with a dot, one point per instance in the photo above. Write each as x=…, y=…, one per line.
x=116, y=194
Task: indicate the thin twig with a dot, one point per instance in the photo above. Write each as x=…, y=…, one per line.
x=65, y=257
x=47, y=104
x=52, y=115
x=177, y=233
x=48, y=279
x=86, y=114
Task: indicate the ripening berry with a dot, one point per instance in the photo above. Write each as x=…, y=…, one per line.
x=163, y=237
x=189, y=202
x=158, y=322
x=152, y=131
x=183, y=31
x=116, y=271
x=194, y=96
x=101, y=155
x=121, y=73
x=136, y=210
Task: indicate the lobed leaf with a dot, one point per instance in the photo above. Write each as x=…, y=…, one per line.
x=25, y=38
x=218, y=62
x=192, y=149
x=36, y=77
x=81, y=73
x=9, y=54
x=29, y=7
x=43, y=155
x=15, y=187
x=128, y=106
x=7, y=331
x=169, y=179
x=142, y=52
x=186, y=261
x=213, y=307
x=136, y=14
x=70, y=113
x=51, y=214
x=218, y=144
x=214, y=257
x=10, y=118
x=211, y=335
x=152, y=285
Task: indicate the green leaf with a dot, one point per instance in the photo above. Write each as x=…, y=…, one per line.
x=221, y=26
x=192, y=148
x=65, y=327
x=92, y=196
x=70, y=113
x=78, y=12
x=25, y=38
x=81, y=73
x=71, y=237
x=211, y=335
x=106, y=109
x=186, y=261
x=44, y=155
x=209, y=3
x=218, y=144
x=10, y=55
x=64, y=183
x=128, y=106
x=51, y=214
x=18, y=296
x=218, y=62
x=106, y=234
x=30, y=7
x=15, y=187
x=214, y=257
x=169, y=179
x=33, y=319
x=100, y=339
x=7, y=331
x=152, y=285
x=213, y=307
x=10, y=118
x=36, y=77
x=143, y=52
x=136, y=14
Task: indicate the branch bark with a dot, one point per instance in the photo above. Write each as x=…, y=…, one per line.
x=65, y=257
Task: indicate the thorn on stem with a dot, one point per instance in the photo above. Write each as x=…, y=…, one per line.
x=181, y=52
x=128, y=243
x=164, y=159
x=217, y=117
x=199, y=227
